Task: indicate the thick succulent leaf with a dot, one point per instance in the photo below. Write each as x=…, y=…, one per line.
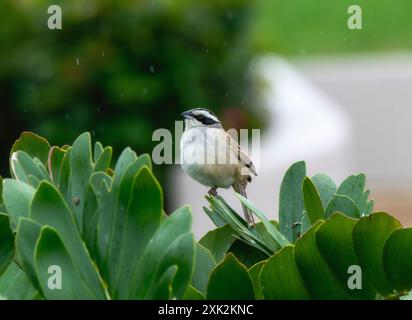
x=193, y=294
x=316, y=274
x=34, y=145
x=280, y=277
x=342, y=204
x=133, y=229
x=254, y=273
x=291, y=205
x=15, y=285
x=17, y=197
x=146, y=274
x=203, y=266
x=1, y=190
x=325, y=186
x=277, y=236
x=51, y=252
x=64, y=175
x=230, y=280
x=215, y=217
x=397, y=256
x=369, y=236
x=353, y=187
x=24, y=168
x=98, y=150
x=103, y=162
x=163, y=289
x=246, y=254
x=335, y=243
x=81, y=168
x=6, y=243
x=305, y=224
x=54, y=163
x=48, y=208
x=27, y=235
x=218, y=241
x=313, y=202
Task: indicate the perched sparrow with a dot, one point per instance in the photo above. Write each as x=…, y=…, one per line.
x=210, y=156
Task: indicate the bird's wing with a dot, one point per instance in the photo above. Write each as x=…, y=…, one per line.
x=241, y=155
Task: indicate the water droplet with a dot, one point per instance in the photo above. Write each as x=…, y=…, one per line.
x=102, y=54
x=77, y=61
x=152, y=69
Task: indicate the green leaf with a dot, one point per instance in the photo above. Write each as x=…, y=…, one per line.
x=335, y=243
x=353, y=187
x=52, y=259
x=280, y=277
x=24, y=168
x=15, y=285
x=64, y=175
x=397, y=257
x=325, y=186
x=247, y=254
x=230, y=281
x=342, y=204
x=1, y=190
x=34, y=145
x=134, y=229
x=103, y=162
x=193, y=294
x=291, y=205
x=218, y=241
x=369, y=236
x=98, y=150
x=270, y=228
x=313, y=203
x=81, y=168
x=48, y=208
x=254, y=273
x=204, y=264
x=17, y=198
x=146, y=275
x=27, y=234
x=6, y=243
x=55, y=160
x=316, y=274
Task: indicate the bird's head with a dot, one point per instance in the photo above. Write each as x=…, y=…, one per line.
x=200, y=117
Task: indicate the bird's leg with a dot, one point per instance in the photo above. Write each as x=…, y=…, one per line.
x=213, y=192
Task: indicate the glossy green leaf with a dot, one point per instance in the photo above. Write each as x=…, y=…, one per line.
x=162, y=247
x=64, y=175
x=325, y=186
x=353, y=187
x=204, y=264
x=246, y=254
x=48, y=208
x=291, y=205
x=98, y=150
x=24, y=167
x=54, y=163
x=133, y=230
x=81, y=168
x=270, y=228
x=230, y=281
x=193, y=294
x=313, y=203
x=397, y=257
x=17, y=198
x=335, y=243
x=27, y=235
x=15, y=285
x=103, y=162
x=6, y=243
x=369, y=236
x=254, y=273
x=280, y=278
x=316, y=274
x=342, y=204
x=52, y=259
x=34, y=145
x=218, y=241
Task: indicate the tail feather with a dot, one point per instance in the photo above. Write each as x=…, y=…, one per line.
x=240, y=188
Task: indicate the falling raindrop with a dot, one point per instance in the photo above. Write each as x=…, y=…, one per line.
x=102, y=54
x=144, y=90
x=77, y=61
x=152, y=69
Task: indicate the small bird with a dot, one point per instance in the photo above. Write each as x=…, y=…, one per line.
x=212, y=157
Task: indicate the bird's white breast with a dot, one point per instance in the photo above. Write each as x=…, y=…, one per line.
x=200, y=152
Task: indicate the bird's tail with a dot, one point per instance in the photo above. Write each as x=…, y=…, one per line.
x=240, y=188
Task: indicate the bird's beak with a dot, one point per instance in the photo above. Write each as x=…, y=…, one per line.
x=186, y=115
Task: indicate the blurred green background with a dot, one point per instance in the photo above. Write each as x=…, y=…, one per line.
x=123, y=68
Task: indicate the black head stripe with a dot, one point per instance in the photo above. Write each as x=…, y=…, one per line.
x=205, y=120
